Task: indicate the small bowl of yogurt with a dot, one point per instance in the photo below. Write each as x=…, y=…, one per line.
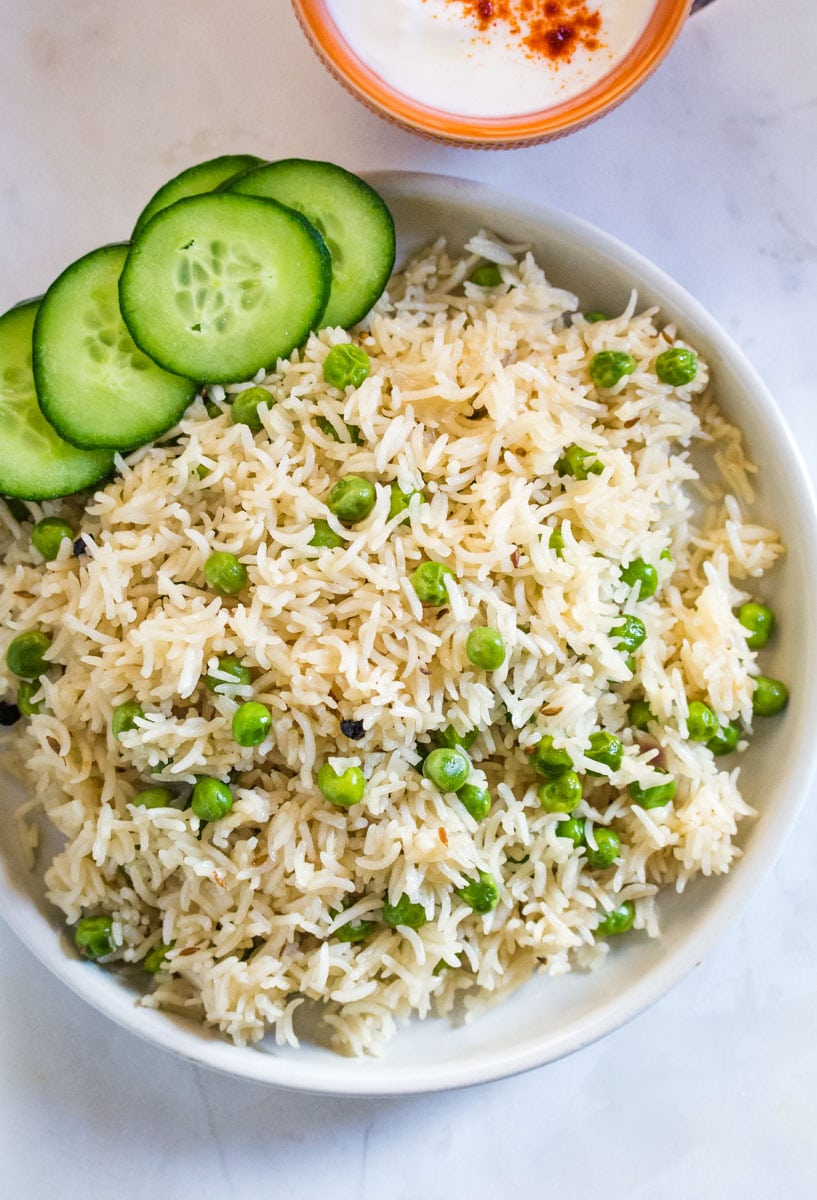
x=492, y=73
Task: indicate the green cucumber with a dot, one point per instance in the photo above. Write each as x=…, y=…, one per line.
x=94, y=385
x=352, y=218
x=35, y=463
x=218, y=287
x=195, y=181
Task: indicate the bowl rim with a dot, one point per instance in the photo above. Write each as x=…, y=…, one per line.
x=353, y=73
x=732, y=891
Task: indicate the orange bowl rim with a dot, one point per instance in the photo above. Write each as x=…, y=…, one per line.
x=649, y=51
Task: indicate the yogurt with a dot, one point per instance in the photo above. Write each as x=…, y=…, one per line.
x=436, y=54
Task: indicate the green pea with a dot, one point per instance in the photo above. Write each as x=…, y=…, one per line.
x=346, y=366
x=326, y=426
x=677, y=366
x=26, y=692
x=609, y=366
x=665, y=555
x=155, y=797
x=562, y=794
x=228, y=664
x=251, y=723
x=325, y=536
x=482, y=894
x=475, y=800
x=605, y=748
x=17, y=509
x=400, y=500
x=212, y=799
x=640, y=714
x=578, y=462
x=155, y=959
x=573, y=828
x=770, y=697
x=630, y=634
x=556, y=542
x=620, y=920
x=244, y=410
x=724, y=739
x=653, y=797
x=758, y=619
x=702, y=724
x=225, y=574
x=343, y=790
x=485, y=648
x=441, y=965
x=354, y=931
x=25, y=655
x=593, y=318
x=404, y=912
x=644, y=574
x=447, y=768
x=125, y=716
x=48, y=535
x=248, y=951
x=202, y=472
x=422, y=749
x=608, y=847
x=428, y=581
x=93, y=937
x=453, y=740
x=351, y=499
x=488, y=275
x=547, y=760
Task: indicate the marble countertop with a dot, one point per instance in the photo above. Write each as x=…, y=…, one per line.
x=709, y=171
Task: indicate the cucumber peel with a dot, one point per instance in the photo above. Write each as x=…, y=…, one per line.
x=351, y=217
x=94, y=385
x=35, y=462
x=195, y=181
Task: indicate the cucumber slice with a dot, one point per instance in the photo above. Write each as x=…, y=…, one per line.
x=218, y=287
x=353, y=219
x=93, y=384
x=35, y=463
x=195, y=181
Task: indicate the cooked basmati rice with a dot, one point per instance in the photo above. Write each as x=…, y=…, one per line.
x=473, y=396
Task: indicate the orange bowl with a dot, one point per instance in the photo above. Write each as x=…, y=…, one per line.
x=624, y=77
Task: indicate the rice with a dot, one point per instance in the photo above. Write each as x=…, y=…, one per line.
x=472, y=398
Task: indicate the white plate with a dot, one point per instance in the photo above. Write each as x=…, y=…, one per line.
x=547, y=1018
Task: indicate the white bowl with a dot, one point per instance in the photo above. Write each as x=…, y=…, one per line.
x=547, y=1018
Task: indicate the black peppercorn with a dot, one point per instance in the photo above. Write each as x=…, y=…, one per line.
x=9, y=713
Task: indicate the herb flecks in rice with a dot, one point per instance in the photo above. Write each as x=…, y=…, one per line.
x=471, y=400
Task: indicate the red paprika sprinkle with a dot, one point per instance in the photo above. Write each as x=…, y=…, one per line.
x=551, y=29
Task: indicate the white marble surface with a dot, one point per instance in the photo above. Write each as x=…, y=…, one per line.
x=710, y=171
